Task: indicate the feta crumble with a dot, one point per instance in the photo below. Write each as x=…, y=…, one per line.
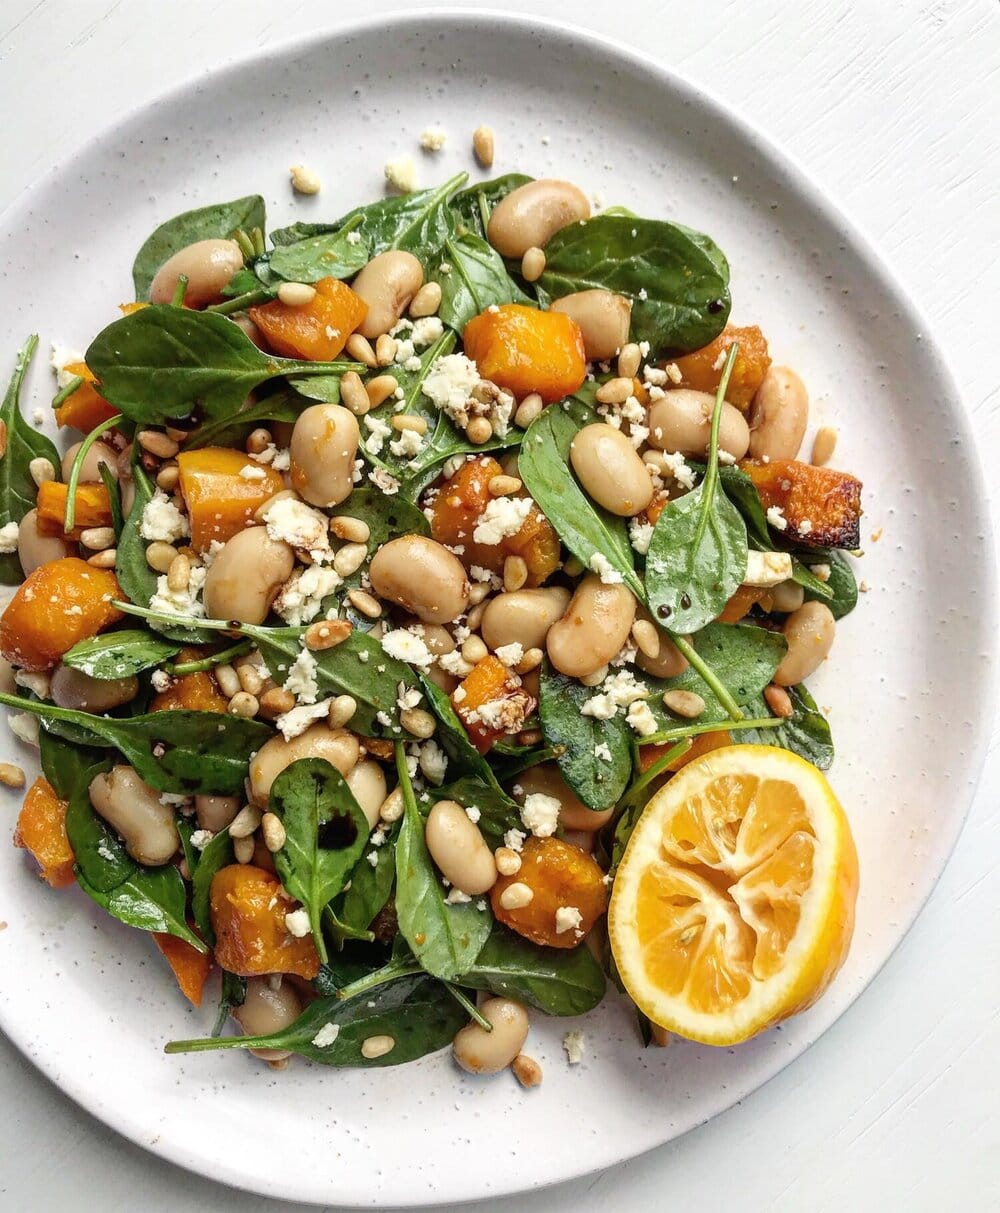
x=63, y=356
x=640, y=533
x=201, y=838
x=503, y=516
x=776, y=518
x=297, y=923
x=409, y=442
x=641, y=719
x=510, y=654
x=573, y=1043
x=514, y=840
x=8, y=538
x=291, y=521
x=402, y=644
x=602, y=566
x=401, y=175
x=329, y=1032
x=294, y=723
x=568, y=918
x=433, y=138
x=433, y=762
x=162, y=520
x=449, y=384
x=301, y=679
x=379, y=431
x=252, y=473
x=179, y=602
x=766, y=569
x=302, y=596
x=540, y=814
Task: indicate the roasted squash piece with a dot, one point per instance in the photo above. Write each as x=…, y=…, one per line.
x=703, y=743
x=561, y=877
x=86, y=407
x=223, y=489
x=190, y=967
x=526, y=350
x=197, y=692
x=93, y=508
x=702, y=369
x=491, y=703
x=316, y=331
x=739, y=605
x=41, y=829
x=248, y=908
x=821, y=507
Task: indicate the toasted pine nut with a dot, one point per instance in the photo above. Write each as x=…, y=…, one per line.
x=418, y=722
x=355, y=530
x=407, y=421
x=479, y=430
x=157, y=444
x=573, y=567
x=380, y=389
x=478, y=593
x=688, y=704
x=504, y=486
x=326, y=634
x=660, y=1036
x=296, y=294
x=474, y=649
x=304, y=180
x=245, y=822
x=778, y=700
x=350, y=558
x=391, y=809
x=426, y=301
x=41, y=471
x=377, y=1046
x=273, y=830
x=243, y=849
x=160, y=556
x=527, y=1071
x=515, y=573
x=168, y=477
x=244, y=704
x=475, y=616
x=228, y=680
x=276, y=702
x=530, y=737
x=258, y=441
x=364, y=602
x=97, y=538
x=596, y=678
x=250, y=677
x=516, y=896
x=104, y=560
x=178, y=435
x=508, y=861
x=647, y=638
x=531, y=660
x=628, y=361
x=532, y=264
x=360, y=349
x=483, y=145
x=615, y=391
x=824, y=444
x=385, y=350
x=528, y=410
x=342, y=708
x=11, y=775
x=179, y=573
x=352, y=393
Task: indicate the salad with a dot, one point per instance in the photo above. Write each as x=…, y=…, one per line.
x=415, y=641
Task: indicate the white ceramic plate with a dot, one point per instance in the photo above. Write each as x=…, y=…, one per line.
x=92, y=1003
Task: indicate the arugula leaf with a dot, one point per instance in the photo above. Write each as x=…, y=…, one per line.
x=806, y=732
x=476, y=278
x=585, y=528
x=418, y=1013
x=217, y=854
x=119, y=654
x=205, y=223
x=445, y=939
x=597, y=781
x=325, y=834
x=17, y=486
x=678, y=281
x=473, y=206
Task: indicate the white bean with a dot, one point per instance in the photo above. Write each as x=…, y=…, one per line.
x=267, y=1009
x=133, y=808
x=324, y=444
x=482, y=1052
x=215, y=812
x=387, y=284
x=421, y=576
x=208, y=266
x=779, y=415
x=593, y=629
x=604, y=319
x=532, y=214
x=523, y=617
x=90, y=469
x=74, y=689
x=573, y=813
x=367, y=782
x=35, y=549
x=681, y=420
x=245, y=577
x=339, y=747
x=809, y=631
x=458, y=848
x=610, y=470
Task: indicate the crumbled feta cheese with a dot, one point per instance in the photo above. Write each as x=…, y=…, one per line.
x=427, y=330
x=162, y=520
x=432, y=138
x=401, y=175
x=179, y=602
x=62, y=357
x=252, y=473
x=302, y=596
x=379, y=431
x=776, y=518
x=8, y=538
x=603, y=567
x=540, y=814
x=510, y=654
x=301, y=680
x=507, y=714
x=291, y=521
x=473, y=813
x=402, y=644
x=449, y=383
x=573, y=1045
x=160, y=680
x=821, y=572
x=456, y=665
x=408, y=443
x=514, y=840
x=457, y=898
x=618, y=690
x=384, y=480
x=354, y=237
x=640, y=533
x=676, y=465
x=643, y=294
x=805, y=526
x=433, y=762
x=24, y=726
x=201, y=838
x=765, y=569
x=294, y=723
x=602, y=751
x=503, y=516
x=329, y=1032
x=641, y=719
x=568, y=918
x=372, y=858
x=297, y=923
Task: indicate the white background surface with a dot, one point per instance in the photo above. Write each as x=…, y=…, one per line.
x=892, y=107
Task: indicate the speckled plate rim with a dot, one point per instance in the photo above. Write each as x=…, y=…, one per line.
x=564, y=35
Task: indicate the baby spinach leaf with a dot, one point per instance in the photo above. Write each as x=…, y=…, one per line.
x=446, y=939
x=64, y=762
x=418, y=223
x=474, y=205
x=463, y=757
x=164, y=363
x=584, y=527
x=232, y=994
x=325, y=834
x=417, y=1012
x=839, y=591
x=323, y=389
x=698, y=551
x=17, y=486
x=232, y=431
x=370, y=887
x=205, y=223
x=387, y=518
x=558, y=981
x=119, y=654
x=217, y=854
x=325, y=255
x=475, y=279
x=152, y=899
x=497, y=812
x=806, y=732
x=599, y=782
x=179, y=751
x=679, y=285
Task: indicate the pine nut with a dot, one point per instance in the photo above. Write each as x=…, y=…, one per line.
x=353, y=395
x=360, y=349
x=573, y=567
x=250, y=678
x=41, y=471
x=595, y=679
x=258, y=441
x=426, y=301
x=824, y=444
x=385, y=350
x=228, y=680
x=479, y=430
x=104, y=560
x=276, y=702
x=11, y=775
x=97, y=538
x=418, y=722
x=779, y=701
x=304, y=180
x=516, y=896
x=179, y=573
x=407, y=421
x=508, y=861
x=160, y=556
x=157, y=444
x=243, y=849
x=660, y=1036
x=504, y=486
x=475, y=616
x=615, y=391
x=245, y=822
x=377, y=1046
x=380, y=389
x=532, y=264
x=176, y=434
x=342, y=709
x=474, y=649
x=350, y=558
x=629, y=360
x=362, y=601
x=356, y=530
x=296, y=294
x=244, y=704
x=515, y=573
x=647, y=638
x=531, y=660
x=483, y=145
x=391, y=809
x=684, y=703
x=479, y=592
x=326, y=634
x=273, y=830
x=528, y=410
x=527, y=1071
x=168, y=477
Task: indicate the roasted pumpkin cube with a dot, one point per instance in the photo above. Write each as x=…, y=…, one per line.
x=248, y=908
x=190, y=967
x=561, y=877
x=41, y=829
x=491, y=703
x=821, y=507
x=93, y=508
x=316, y=331
x=86, y=407
x=703, y=743
x=702, y=370
x=223, y=489
x=198, y=692
x=525, y=350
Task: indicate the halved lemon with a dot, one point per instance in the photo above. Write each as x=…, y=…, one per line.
x=733, y=906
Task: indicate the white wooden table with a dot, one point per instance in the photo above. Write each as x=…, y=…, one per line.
x=893, y=107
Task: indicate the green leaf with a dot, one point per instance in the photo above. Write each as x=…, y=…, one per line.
x=64, y=762
x=463, y=757
x=558, y=981
x=18, y=489
x=205, y=223
x=806, y=732
x=327, y=255
x=163, y=363
x=476, y=279
x=473, y=206
x=370, y=887
x=598, y=782
x=232, y=994
x=678, y=284
x=418, y=223
x=419, y=1014
x=325, y=834
x=119, y=654
x=232, y=431
x=179, y=751
x=585, y=528
x=839, y=591
x=445, y=939
x=217, y=854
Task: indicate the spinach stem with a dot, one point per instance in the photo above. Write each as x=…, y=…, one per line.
x=245, y=243
x=653, y=772
x=177, y=621
x=209, y=663
x=470, y=1007
x=380, y=977
x=708, y=675
x=74, y=475
x=710, y=483
x=64, y=393
x=206, y=1043
x=715, y=726
x=179, y=291
x=239, y=302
